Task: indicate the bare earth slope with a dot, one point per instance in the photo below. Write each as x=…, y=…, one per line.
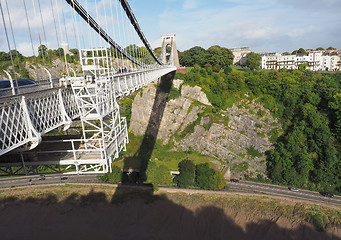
x=103, y=212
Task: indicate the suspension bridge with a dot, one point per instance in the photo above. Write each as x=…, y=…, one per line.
x=116, y=59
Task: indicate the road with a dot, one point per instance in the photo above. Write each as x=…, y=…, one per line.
x=240, y=187
x=47, y=179
x=284, y=192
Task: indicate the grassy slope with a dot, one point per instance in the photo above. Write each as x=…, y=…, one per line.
x=161, y=155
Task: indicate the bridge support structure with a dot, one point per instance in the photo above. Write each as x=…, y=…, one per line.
x=169, y=40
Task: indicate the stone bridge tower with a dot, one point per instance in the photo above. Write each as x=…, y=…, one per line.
x=169, y=40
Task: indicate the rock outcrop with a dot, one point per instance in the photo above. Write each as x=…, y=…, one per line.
x=230, y=136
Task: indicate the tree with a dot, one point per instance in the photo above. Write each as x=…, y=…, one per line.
x=208, y=178
x=253, y=60
x=303, y=66
x=331, y=48
x=187, y=174
x=217, y=55
x=42, y=50
x=319, y=48
x=195, y=55
x=157, y=51
x=285, y=53
x=203, y=175
x=4, y=56
x=16, y=54
x=74, y=51
x=59, y=52
x=301, y=50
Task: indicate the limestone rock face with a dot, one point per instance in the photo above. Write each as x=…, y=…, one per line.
x=195, y=93
x=177, y=114
x=141, y=109
x=227, y=136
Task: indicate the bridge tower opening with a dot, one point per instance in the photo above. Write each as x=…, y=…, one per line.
x=169, y=40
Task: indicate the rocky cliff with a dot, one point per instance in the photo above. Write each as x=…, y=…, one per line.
x=237, y=137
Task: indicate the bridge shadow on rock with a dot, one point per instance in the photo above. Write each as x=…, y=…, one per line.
x=135, y=214
x=147, y=146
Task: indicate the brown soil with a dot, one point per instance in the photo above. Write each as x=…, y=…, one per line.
x=103, y=212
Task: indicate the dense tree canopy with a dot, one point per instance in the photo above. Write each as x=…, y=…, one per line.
x=187, y=174
x=308, y=153
x=253, y=60
x=215, y=55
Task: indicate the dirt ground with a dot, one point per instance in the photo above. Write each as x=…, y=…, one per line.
x=103, y=212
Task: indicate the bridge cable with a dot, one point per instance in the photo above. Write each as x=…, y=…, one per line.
x=119, y=31
x=136, y=25
x=29, y=30
x=81, y=11
x=67, y=38
x=97, y=19
x=88, y=21
x=9, y=47
x=108, y=50
x=35, y=13
x=55, y=26
x=42, y=23
x=124, y=36
x=76, y=34
x=112, y=20
x=61, y=33
x=15, y=45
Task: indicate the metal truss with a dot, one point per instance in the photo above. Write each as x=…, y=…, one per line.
x=24, y=118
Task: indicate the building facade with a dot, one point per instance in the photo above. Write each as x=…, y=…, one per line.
x=240, y=55
x=323, y=60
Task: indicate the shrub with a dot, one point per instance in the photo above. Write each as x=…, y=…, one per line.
x=158, y=174
x=187, y=174
x=253, y=152
x=114, y=177
x=318, y=221
x=208, y=178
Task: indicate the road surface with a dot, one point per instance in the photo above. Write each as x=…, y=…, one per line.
x=240, y=187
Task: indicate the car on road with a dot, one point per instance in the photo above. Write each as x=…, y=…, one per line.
x=327, y=194
x=234, y=180
x=21, y=85
x=293, y=189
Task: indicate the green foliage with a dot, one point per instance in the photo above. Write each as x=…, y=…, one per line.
x=187, y=174
x=42, y=50
x=241, y=167
x=301, y=50
x=174, y=93
x=114, y=177
x=219, y=56
x=214, y=56
x=317, y=220
x=204, y=176
x=308, y=105
x=253, y=152
x=253, y=60
x=195, y=55
x=158, y=174
x=126, y=105
x=179, y=76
